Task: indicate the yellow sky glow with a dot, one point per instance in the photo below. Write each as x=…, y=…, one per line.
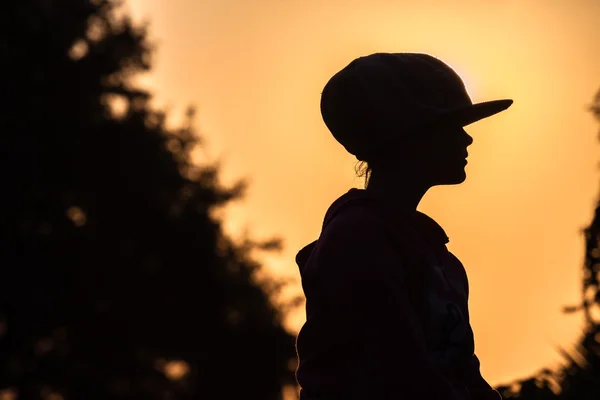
x=255, y=70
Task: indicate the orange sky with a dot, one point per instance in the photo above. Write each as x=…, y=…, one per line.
x=255, y=70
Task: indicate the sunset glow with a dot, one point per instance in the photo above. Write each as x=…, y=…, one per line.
x=255, y=70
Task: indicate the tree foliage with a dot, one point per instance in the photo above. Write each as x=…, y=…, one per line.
x=117, y=280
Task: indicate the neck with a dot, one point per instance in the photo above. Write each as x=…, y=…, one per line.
x=404, y=192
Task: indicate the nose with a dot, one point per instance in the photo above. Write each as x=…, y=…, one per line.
x=469, y=139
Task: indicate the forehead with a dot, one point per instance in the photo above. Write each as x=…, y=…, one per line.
x=440, y=133
x=447, y=131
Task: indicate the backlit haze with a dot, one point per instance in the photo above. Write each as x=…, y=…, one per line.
x=255, y=70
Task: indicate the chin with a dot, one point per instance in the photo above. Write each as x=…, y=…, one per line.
x=455, y=179
x=461, y=180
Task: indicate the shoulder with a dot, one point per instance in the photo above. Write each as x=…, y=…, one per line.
x=355, y=220
x=360, y=234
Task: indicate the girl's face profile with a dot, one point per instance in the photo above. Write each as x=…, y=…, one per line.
x=448, y=154
x=439, y=155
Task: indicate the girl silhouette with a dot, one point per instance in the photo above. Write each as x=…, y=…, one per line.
x=387, y=310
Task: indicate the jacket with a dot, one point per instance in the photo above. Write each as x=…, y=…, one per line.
x=387, y=309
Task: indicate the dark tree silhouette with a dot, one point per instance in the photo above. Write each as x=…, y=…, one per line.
x=116, y=279
x=580, y=378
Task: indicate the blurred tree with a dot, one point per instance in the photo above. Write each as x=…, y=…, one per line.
x=580, y=378
x=117, y=280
